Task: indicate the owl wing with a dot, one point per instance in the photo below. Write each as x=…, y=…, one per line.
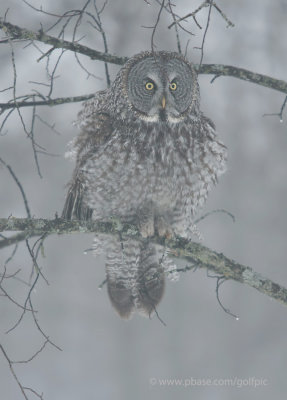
x=75, y=207
x=96, y=129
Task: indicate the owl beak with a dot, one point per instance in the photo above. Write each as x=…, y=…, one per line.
x=163, y=102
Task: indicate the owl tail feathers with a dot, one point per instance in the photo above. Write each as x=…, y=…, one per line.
x=136, y=282
x=151, y=292
x=121, y=300
x=142, y=299
x=75, y=207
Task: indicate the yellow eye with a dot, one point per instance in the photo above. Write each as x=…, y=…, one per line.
x=173, y=86
x=149, y=86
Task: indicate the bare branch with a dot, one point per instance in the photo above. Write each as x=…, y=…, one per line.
x=229, y=23
x=48, y=102
x=5, y=293
x=244, y=74
x=214, y=69
x=17, y=33
x=219, y=281
x=25, y=305
x=213, y=212
x=103, y=33
x=192, y=14
x=175, y=26
x=156, y=24
x=19, y=237
x=194, y=253
x=19, y=186
x=35, y=152
x=205, y=31
x=13, y=372
x=206, y=3
x=280, y=113
x=33, y=356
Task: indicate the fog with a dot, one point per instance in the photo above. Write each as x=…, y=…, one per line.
x=103, y=356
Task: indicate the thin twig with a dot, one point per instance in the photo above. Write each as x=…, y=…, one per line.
x=19, y=237
x=174, y=16
x=8, y=260
x=206, y=3
x=77, y=24
x=40, y=329
x=40, y=396
x=25, y=305
x=33, y=356
x=19, y=186
x=219, y=281
x=192, y=14
x=229, y=23
x=34, y=258
x=156, y=25
x=33, y=141
x=13, y=372
x=213, y=212
x=40, y=10
x=24, y=308
x=175, y=26
x=48, y=102
x=280, y=114
x=205, y=31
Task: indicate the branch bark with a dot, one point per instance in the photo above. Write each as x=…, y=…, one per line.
x=194, y=253
x=14, y=32
x=243, y=74
x=48, y=102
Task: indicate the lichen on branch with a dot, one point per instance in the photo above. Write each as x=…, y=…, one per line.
x=194, y=253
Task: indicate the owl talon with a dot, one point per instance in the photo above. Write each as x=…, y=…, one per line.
x=147, y=229
x=145, y=217
x=163, y=229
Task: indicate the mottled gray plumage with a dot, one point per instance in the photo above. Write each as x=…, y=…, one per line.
x=147, y=153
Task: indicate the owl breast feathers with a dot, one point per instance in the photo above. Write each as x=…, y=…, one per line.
x=145, y=152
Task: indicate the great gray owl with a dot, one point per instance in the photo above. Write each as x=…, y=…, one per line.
x=145, y=153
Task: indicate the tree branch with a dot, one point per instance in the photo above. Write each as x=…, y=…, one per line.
x=48, y=102
x=16, y=33
x=241, y=73
x=13, y=372
x=194, y=253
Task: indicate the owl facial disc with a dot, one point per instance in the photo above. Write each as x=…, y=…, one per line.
x=160, y=88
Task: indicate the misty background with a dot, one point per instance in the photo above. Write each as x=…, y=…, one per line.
x=103, y=356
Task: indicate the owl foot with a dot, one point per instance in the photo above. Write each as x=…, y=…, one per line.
x=163, y=228
x=147, y=228
x=146, y=220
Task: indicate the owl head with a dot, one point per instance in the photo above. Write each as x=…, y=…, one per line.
x=160, y=87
